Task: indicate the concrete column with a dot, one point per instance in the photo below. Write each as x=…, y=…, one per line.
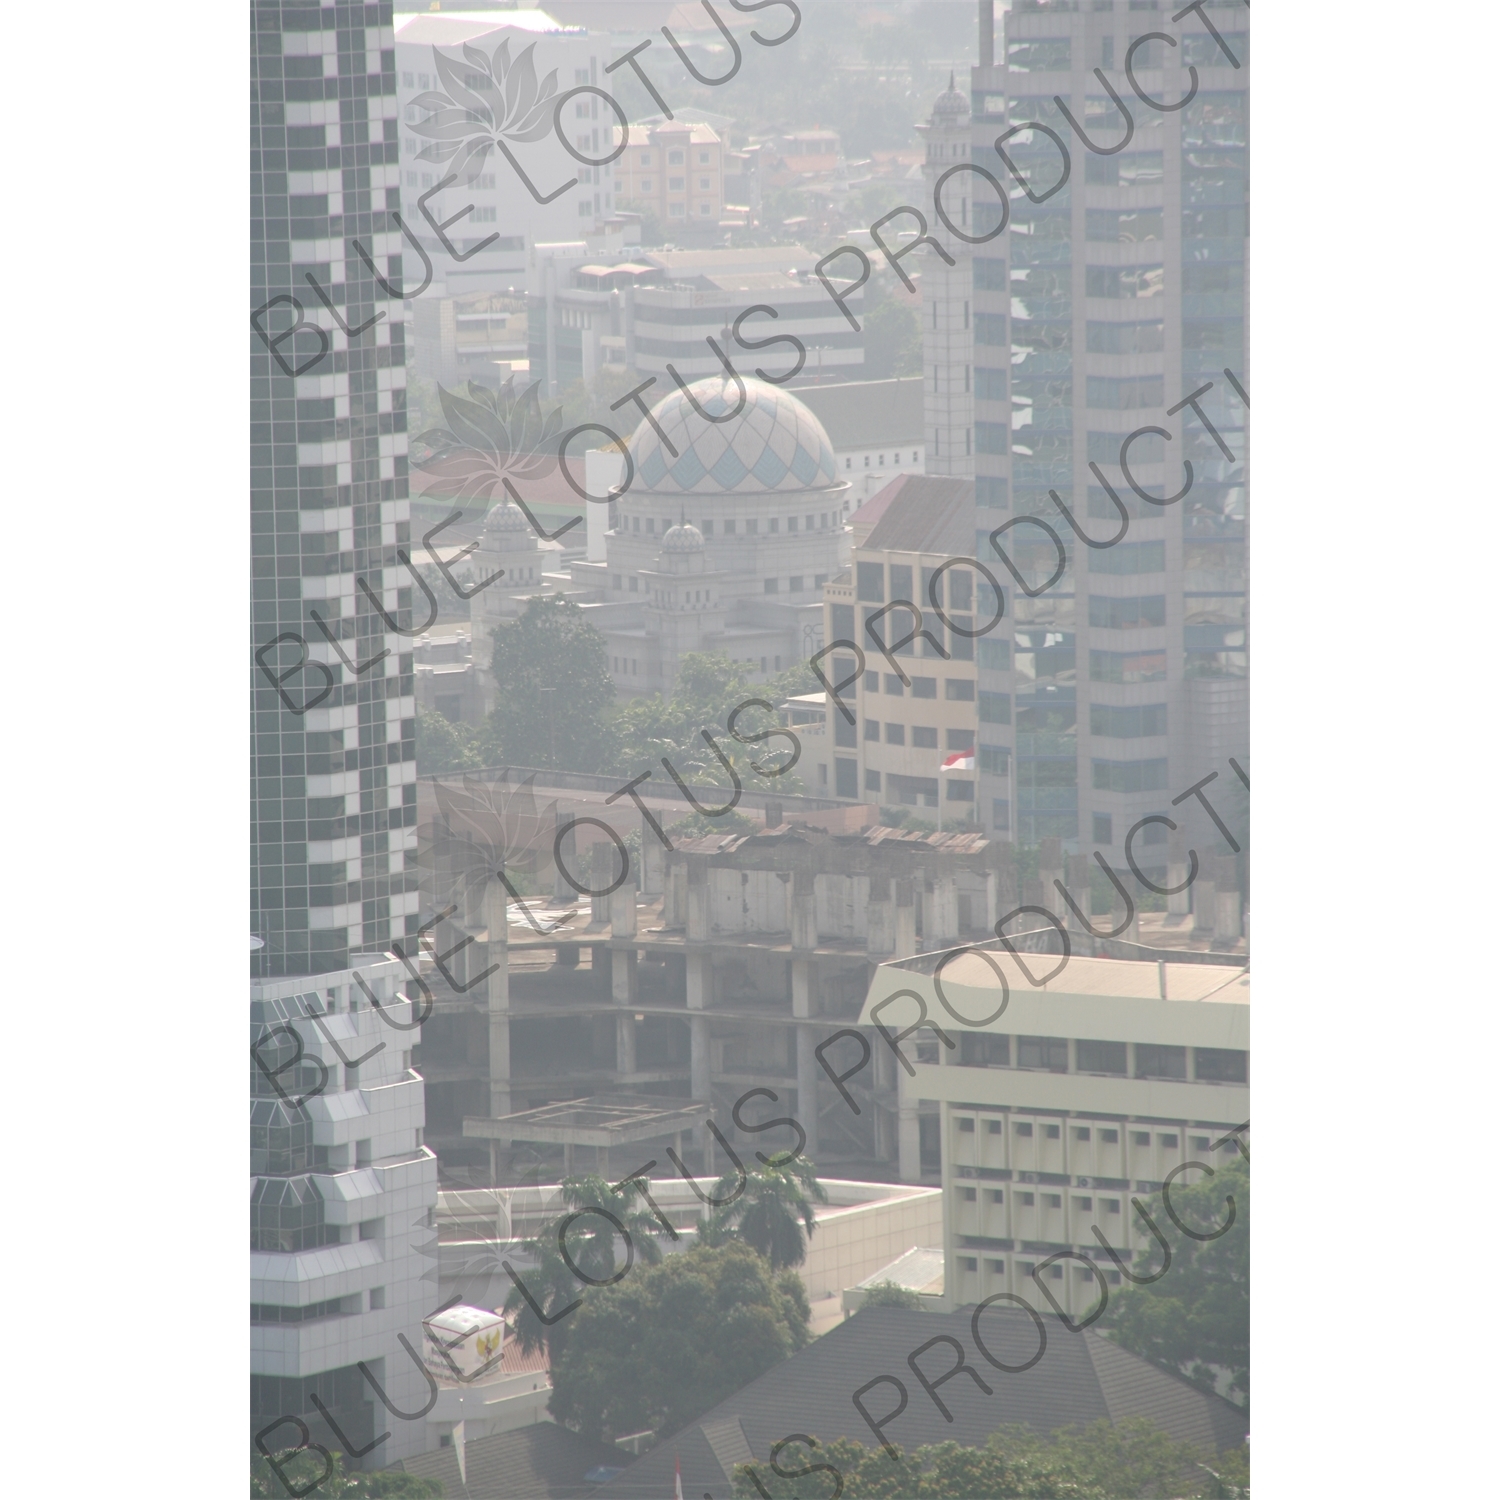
x=604, y=865
x=991, y=900
x=904, y=936
x=859, y=893
x=909, y=1132
x=1205, y=898
x=700, y=1084
x=1227, y=901
x=498, y=998
x=699, y=898
x=700, y=974
x=624, y=978
x=652, y=873
x=1132, y=933
x=942, y=916
x=879, y=918
x=803, y=979
x=567, y=852
x=625, y=1044
x=1050, y=867
x=622, y=911
x=804, y=909
x=1181, y=903
x=807, y=1087
x=1078, y=887
x=674, y=894
x=880, y=1083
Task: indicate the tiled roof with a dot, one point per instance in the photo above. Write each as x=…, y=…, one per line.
x=930, y=513
x=1079, y=1379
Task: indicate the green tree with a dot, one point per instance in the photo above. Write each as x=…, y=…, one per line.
x=888, y=1294
x=444, y=746
x=710, y=688
x=893, y=341
x=303, y=1467
x=554, y=689
x=774, y=1214
x=1131, y=1460
x=668, y=1342
x=1195, y=1321
x=591, y=1242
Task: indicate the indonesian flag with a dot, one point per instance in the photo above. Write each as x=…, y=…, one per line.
x=960, y=760
x=678, y=1494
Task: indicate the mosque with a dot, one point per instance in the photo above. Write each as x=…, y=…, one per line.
x=731, y=519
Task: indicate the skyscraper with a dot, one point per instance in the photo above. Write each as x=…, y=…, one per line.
x=1114, y=305
x=332, y=711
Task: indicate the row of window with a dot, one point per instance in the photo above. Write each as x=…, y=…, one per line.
x=1028, y=1267
x=923, y=737
x=679, y=185
x=918, y=790
x=880, y=459
x=1050, y=1053
x=752, y=526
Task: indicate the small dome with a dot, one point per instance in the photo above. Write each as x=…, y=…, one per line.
x=950, y=101
x=505, y=517
x=683, y=538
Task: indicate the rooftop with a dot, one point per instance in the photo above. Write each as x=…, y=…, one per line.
x=868, y=413
x=926, y=513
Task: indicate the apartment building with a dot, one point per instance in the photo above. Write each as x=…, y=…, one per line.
x=675, y=170
x=918, y=706
x=1097, y=313
x=1062, y=1103
x=488, y=224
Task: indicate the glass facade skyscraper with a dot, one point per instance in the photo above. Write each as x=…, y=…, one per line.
x=1113, y=304
x=332, y=709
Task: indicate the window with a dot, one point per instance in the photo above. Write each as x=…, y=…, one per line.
x=1052, y=1132
x=1050, y=1052
x=729, y=528
x=1081, y=1133
x=1220, y=1064
x=924, y=687
x=1127, y=614
x=1168, y=1141
x=377, y=1298
x=1199, y=1142
x=895, y=734
x=872, y=729
x=675, y=158
x=870, y=582
x=923, y=738
x=645, y=184
x=1111, y=1205
x=1053, y=1200
x=1140, y=1137
x=1133, y=722
x=845, y=774
x=969, y=1262
x=997, y=1266
x=995, y=1127
x=1024, y=1128
x=703, y=187
x=1160, y=1062
x=703, y=158
x=894, y=686
x=966, y=1127
x=1083, y=1205
x=1103, y=1057
x=771, y=585
x=1127, y=666
x=992, y=437
x=1131, y=558
x=704, y=209
x=645, y=158
x=994, y=708
x=872, y=781
x=1110, y=1137
x=677, y=210
x=958, y=689
x=989, y=328
x=995, y=1195
x=970, y=1195
x=1027, y=1200
x=1104, y=828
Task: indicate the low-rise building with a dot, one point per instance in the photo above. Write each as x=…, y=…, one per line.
x=1071, y=1089
x=875, y=427
x=674, y=169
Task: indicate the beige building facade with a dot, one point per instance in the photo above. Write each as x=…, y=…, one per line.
x=675, y=170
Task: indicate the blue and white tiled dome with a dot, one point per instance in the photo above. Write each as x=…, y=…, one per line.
x=774, y=446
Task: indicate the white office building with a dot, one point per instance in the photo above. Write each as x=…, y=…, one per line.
x=343, y=1263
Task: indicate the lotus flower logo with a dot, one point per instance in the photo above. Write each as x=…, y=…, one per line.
x=484, y=830
x=491, y=436
x=480, y=110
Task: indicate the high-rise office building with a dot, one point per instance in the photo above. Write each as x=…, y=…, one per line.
x=333, y=716
x=1113, y=305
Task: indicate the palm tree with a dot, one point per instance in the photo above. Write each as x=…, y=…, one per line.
x=590, y=1241
x=774, y=1214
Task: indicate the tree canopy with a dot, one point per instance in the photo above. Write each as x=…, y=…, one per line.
x=670, y=1341
x=303, y=1467
x=1195, y=1321
x=1132, y=1460
x=555, y=689
x=888, y=1294
x=773, y=1213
